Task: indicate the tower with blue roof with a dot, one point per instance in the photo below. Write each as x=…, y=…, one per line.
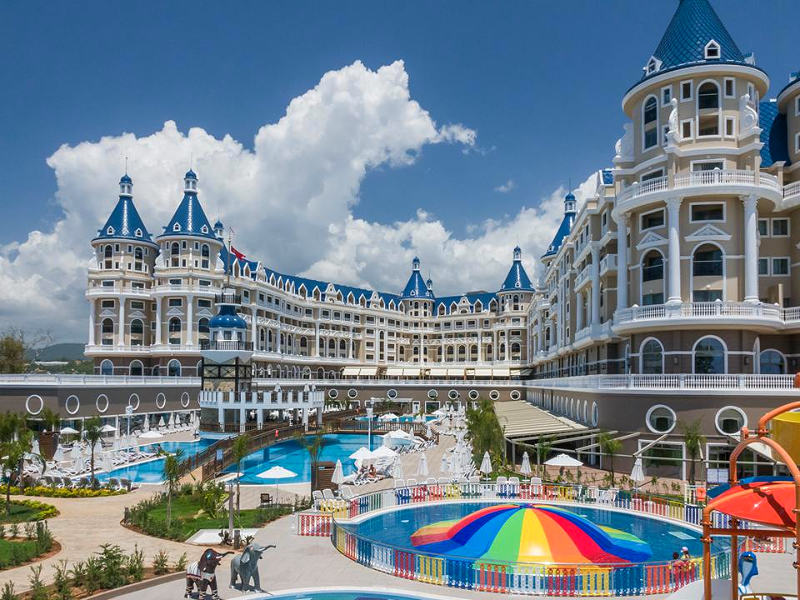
x=570, y=210
x=417, y=298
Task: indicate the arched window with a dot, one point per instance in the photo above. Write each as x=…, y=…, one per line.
x=650, y=122
x=707, y=260
x=136, y=369
x=771, y=362
x=175, y=254
x=174, y=368
x=108, y=256
x=138, y=259
x=106, y=367
x=107, y=328
x=174, y=330
x=205, y=254
x=652, y=271
x=137, y=332
x=708, y=109
x=651, y=356
x=516, y=350
x=709, y=356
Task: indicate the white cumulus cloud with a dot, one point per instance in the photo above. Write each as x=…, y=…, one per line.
x=506, y=187
x=289, y=200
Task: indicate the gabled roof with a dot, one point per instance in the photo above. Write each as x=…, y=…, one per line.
x=774, y=134
x=694, y=24
x=472, y=297
x=517, y=279
x=190, y=219
x=125, y=223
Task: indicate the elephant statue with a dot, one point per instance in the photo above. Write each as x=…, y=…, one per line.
x=202, y=574
x=245, y=567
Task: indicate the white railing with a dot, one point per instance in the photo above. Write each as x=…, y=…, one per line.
x=103, y=290
x=689, y=310
x=96, y=380
x=678, y=381
x=791, y=191
x=95, y=348
x=583, y=333
x=717, y=177
x=608, y=263
x=582, y=276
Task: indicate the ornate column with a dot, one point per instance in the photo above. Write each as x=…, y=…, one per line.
x=189, y=320
x=578, y=311
x=540, y=331
x=121, y=328
x=316, y=339
x=254, y=328
x=622, y=256
x=595, y=286
x=158, y=320
x=750, y=248
x=92, y=308
x=674, y=250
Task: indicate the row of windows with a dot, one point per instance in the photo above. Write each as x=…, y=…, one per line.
x=709, y=356
x=662, y=419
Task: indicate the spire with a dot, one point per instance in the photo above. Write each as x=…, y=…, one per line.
x=417, y=287
x=517, y=278
x=695, y=35
x=189, y=218
x=570, y=210
x=124, y=221
x=415, y=264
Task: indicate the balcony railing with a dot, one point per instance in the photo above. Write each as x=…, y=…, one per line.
x=583, y=276
x=608, y=263
x=688, y=310
x=670, y=382
x=717, y=177
x=791, y=191
x=228, y=298
x=226, y=345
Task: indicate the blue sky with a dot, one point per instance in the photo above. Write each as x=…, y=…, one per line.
x=540, y=83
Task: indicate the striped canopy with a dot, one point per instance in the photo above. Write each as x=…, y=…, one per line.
x=531, y=534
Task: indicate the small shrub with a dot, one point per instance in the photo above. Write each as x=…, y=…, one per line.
x=93, y=575
x=2, y=532
x=161, y=563
x=54, y=492
x=8, y=592
x=180, y=564
x=38, y=590
x=114, y=572
x=14, y=530
x=61, y=581
x=30, y=530
x=77, y=573
x=135, y=565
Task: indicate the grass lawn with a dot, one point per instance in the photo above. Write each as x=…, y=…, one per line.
x=19, y=513
x=16, y=552
x=188, y=517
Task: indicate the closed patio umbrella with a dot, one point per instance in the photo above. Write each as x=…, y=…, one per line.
x=637, y=474
x=397, y=468
x=422, y=468
x=161, y=421
x=486, y=464
x=338, y=474
x=35, y=447
x=525, y=468
x=58, y=455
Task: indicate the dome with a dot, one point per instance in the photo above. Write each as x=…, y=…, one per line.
x=227, y=318
x=190, y=175
x=126, y=179
x=218, y=225
x=570, y=197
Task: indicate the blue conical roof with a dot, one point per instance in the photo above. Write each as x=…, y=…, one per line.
x=125, y=222
x=190, y=219
x=694, y=24
x=416, y=286
x=517, y=278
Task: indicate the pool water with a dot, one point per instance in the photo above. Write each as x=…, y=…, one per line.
x=402, y=419
x=291, y=455
x=395, y=528
x=345, y=595
x=153, y=471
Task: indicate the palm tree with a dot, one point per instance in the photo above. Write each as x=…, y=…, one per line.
x=16, y=442
x=92, y=433
x=485, y=432
x=609, y=446
x=172, y=473
x=239, y=450
x=542, y=446
x=313, y=445
x=694, y=441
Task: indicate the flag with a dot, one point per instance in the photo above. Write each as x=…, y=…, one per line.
x=237, y=254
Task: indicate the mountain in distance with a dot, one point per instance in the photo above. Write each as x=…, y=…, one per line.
x=65, y=351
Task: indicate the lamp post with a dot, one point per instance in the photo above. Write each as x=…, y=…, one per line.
x=369, y=423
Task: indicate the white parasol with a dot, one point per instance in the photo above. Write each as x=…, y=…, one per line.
x=338, y=474
x=563, y=460
x=422, y=468
x=397, y=468
x=486, y=464
x=150, y=435
x=277, y=472
x=525, y=468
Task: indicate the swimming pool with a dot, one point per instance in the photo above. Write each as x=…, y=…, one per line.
x=401, y=419
x=343, y=594
x=291, y=455
x=395, y=528
x=153, y=471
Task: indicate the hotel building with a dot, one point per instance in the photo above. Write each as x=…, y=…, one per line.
x=666, y=297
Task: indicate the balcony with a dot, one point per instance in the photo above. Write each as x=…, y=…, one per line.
x=697, y=183
x=678, y=382
x=791, y=193
x=583, y=277
x=107, y=290
x=608, y=263
x=226, y=345
x=699, y=314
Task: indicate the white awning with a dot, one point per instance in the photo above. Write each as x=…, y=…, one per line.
x=437, y=372
x=350, y=371
x=501, y=372
x=455, y=372
x=483, y=372
x=368, y=371
x=522, y=420
x=412, y=372
x=394, y=371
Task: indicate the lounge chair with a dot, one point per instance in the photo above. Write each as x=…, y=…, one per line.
x=127, y=484
x=265, y=500
x=319, y=501
x=346, y=492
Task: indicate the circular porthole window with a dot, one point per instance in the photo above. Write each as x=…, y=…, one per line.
x=453, y=394
x=161, y=400
x=352, y=393
x=595, y=414
x=133, y=401
x=333, y=393
x=494, y=395
x=34, y=404
x=391, y=394
x=72, y=404
x=660, y=419
x=515, y=395
x=101, y=403
x=473, y=394
x=433, y=394
x=185, y=399
x=730, y=420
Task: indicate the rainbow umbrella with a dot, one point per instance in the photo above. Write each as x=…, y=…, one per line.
x=532, y=534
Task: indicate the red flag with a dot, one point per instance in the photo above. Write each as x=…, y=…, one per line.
x=237, y=254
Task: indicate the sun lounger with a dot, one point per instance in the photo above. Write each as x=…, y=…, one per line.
x=316, y=496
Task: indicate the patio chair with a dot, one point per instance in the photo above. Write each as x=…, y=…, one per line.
x=346, y=492
x=399, y=483
x=127, y=484
x=316, y=496
x=265, y=500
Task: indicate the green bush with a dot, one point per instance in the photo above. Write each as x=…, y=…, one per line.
x=61, y=581
x=54, y=492
x=161, y=563
x=16, y=551
x=38, y=590
x=28, y=510
x=8, y=592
